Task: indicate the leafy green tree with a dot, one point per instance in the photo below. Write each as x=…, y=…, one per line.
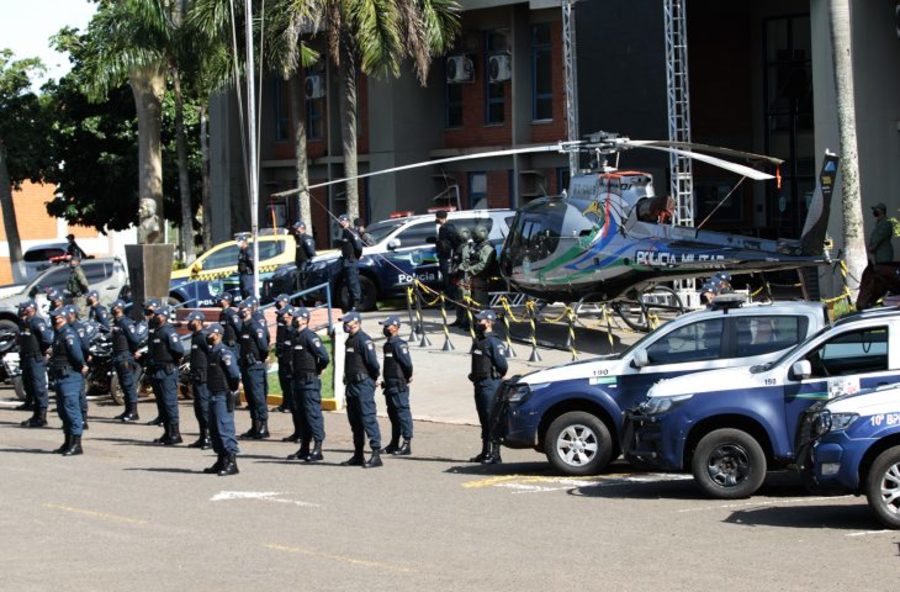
x=22, y=137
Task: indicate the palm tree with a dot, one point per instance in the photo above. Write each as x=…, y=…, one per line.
x=851, y=205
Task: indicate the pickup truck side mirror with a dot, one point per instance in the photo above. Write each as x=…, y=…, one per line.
x=640, y=359
x=394, y=243
x=801, y=369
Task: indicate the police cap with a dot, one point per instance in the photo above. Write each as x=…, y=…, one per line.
x=225, y=297
x=391, y=320
x=298, y=225
x=350, y=317
x=343, y=218
x=195, y=315
x=282, y=297
x=25, y=305
x=287, y=311
x=93, y=294
x=119, y=303
x=215, y=329
x=486, y=315
x=163, y=310
x=58, y=312
x=53, y=295
x=301, y=312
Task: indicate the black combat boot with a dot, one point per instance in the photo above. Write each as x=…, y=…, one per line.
x=38, y=420
x=404, y=450
x=357, y=460
x=217, y=466
x=84, y=423
x=202, y=441
x=65, y=445
x=74, y=447
x=121, y=416
x=295, y=437
x=157, y=421
x=391, y=448
x=131, y=414
x=262, y=430
x=316, y=454
x=174, y=436
x=374, y=460
x=302, y=453
x=229, y=467
x=493, y=457
x=165, y=436
x=252, y=433
x=485, y=452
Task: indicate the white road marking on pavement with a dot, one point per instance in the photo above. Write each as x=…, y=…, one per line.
x=868, y=532
x=777, y=502
x=265, y=496
x=96, y=514
x=341, y=558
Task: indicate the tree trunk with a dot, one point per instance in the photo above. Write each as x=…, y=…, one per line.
x=184, y=181
x=206, y=202
x=851, y=206
x=298, y=108
x=148, y=86
x=348, y=130
x=9, y=220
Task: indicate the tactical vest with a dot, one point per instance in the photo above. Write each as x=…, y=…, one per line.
x=159, y=347
x=302, y=358
x=216, y=380
x=59, y=366
x=199, y=360
x=282, y=339
x=249, y=348
x=348, y=252
x=230, y=335
x=354, y=364
x=120, y=343
x=482, y=368
x=28, y=341
x=301, y=257
x=392, y=369
x=245, y=262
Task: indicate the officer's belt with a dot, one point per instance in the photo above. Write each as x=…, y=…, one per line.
x=358, y=378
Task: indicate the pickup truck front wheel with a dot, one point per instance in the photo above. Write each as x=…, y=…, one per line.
x=883, y=487
x=729, y=464
x=578, y=443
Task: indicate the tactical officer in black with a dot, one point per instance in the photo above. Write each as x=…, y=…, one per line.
x=35, y=339
x=254, y=349
x=361, y=369
x=127, y=337
x=85, y=334
x=97, y=312
x=306, y=250
x=488, y=368
x=245, y=265
x=308, y=359
x=230, y=320
x=199, y=363
x=150, y=306
x=223, y=380
x=284, y=316
x=397, y=375
x=446, y=244
x=165, y=353
x=351, y=251
x=65, y=371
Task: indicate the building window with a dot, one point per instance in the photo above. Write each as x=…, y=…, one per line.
x=541, y=73
x=453, y=106
x=494, y=92
x=315, y=107
x=282, y=111
x=478, y=190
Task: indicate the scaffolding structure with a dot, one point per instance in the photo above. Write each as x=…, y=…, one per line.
x=679, y=105
x=568, y=30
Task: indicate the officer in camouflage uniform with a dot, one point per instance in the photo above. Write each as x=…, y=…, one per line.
x=361, y=369
x=458, y=267
x=397, y=375
x=223, y=381
x=481, y=266
x=489, y=366
x=77, y=286
x=35, y=339
x=65, y=372
x=308, y=359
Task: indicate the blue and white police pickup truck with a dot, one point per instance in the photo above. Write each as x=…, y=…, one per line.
x=729, y=426
x=856, y=448
x=573, y=413
x=404, y=251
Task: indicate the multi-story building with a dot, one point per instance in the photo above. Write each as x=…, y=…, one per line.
x=761, y=79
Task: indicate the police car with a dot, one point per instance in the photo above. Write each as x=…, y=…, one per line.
x=573, y=413
x=404, y=250
x=729, y=426
x=857, y=448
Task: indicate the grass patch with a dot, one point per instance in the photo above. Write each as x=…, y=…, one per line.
x=327, y=375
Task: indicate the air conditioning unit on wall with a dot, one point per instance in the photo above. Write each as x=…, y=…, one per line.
x=315, y=86
x=500, y=67
x=460, y=69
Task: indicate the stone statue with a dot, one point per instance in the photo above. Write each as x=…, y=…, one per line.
x=148, y=222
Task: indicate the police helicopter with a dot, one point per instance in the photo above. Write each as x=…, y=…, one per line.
x=609, y=237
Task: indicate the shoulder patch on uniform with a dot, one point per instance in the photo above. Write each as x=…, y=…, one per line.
x=317, y=342
x=259, y=333
x=370, y=345
x=404, y=349
x=174, y=337
x=131, y=328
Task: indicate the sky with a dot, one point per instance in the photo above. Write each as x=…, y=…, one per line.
x=26, y=27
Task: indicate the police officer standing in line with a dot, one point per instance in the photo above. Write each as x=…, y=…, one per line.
x=351, y=251
x=488, y=368
x=306, y=250
x=84, y=339
x=283, y=332
x=34, y=339
x=199, y=363
x=361, y=369
x=150, y=306
x=97, y=312
x=126, y=339
x=65, y=371
x=55, y=299
x=397, y=375
x=445, y=245
x=254, y=349
x=230, y=320
x=223, y=381
x=308, y=359
x=165, y=353
x=245, y=265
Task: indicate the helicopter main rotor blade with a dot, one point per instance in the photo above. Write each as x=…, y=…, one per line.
x=739, y=169
x=559, y=147
x=731, y=152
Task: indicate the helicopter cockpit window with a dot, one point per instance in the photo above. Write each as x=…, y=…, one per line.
x=535, y=235
x=656, y=210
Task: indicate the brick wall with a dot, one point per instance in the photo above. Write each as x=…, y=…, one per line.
x=555, y=130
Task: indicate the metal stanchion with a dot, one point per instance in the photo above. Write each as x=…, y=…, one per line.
x=409, y=309
x=510, y=351
x=535, y=355
x=448, y=345
x=570, y=342
x=469, y=302
x=425, y=342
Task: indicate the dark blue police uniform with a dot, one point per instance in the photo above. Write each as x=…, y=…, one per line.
x=489, y=365
x=398, y=369
x=351, y=251
x=231, y=324
x=100, y=315
x=66, y=364
x=127, y=336
x=283, y=333
x=223, y=379
x=199, y=387
x=254, y=349
x=165, y=353
x=308, y=359
x=85, y=333
x=361, y=368
x=35, y=337
x=306, y=250
x=245, y=271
